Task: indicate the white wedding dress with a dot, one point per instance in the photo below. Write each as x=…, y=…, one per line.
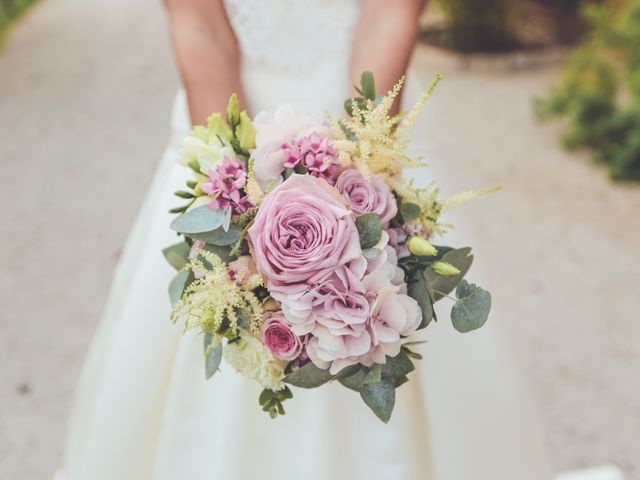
x=143, y=408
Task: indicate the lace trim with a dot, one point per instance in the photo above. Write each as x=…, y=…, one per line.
x=293, y=34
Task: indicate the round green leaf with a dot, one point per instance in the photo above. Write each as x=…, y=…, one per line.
x=380, y=397
x=472, y=309
x=308, y=376
x=199, y=220
x=410, y=211
x=369, y=230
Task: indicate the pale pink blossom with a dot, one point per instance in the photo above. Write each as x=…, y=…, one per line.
x=225, y=185
x=313, y=152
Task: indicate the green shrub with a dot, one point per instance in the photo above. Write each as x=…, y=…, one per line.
x=600, y=90
x=11, y=10
x=480, y=25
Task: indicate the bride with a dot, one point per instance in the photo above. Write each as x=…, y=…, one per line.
x=143, y=408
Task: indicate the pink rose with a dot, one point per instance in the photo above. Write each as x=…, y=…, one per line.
x=272, y=131
x=279, y=339
x=303, y=231
x=365, y=196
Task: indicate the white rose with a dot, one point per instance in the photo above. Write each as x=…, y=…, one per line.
x=250, y=357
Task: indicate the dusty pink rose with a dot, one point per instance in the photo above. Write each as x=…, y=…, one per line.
x=303, y=231
x=280, y=339
x=371, y=196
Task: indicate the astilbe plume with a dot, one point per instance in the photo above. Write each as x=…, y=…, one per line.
x=214, y=298
x=370, y=140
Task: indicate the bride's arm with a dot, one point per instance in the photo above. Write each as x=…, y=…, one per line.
x=385, y=36
x=207, y=54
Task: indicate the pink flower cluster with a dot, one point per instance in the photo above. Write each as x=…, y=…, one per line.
x=314, y=153
x=344, y=307
x=225, y=185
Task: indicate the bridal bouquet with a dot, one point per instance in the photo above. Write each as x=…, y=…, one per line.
x=307, y=256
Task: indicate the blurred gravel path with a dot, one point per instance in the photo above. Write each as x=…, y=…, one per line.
x=85, y=92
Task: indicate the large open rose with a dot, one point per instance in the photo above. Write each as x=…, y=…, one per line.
x=303, y=231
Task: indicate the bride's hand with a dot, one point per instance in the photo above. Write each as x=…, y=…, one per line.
x=208, y=55
x=385, y=36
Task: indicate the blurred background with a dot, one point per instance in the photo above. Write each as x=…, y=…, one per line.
x=541, y=96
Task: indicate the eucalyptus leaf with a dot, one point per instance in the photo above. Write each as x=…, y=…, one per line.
x=227, y=220
x=397, y=366
x=409, y=211
x=354, y=381
x=411, y=353
x=223, y=252
x=213, y=356
x=348, y=371
x=374, y=374
x=472, y=309
x=348, y=105
x=419, y=290
x=368, y=86
x=199, y=220
x=401, y=381
x=177, y=286
x=440, y=286
x=361, y=376
x=177, y=255
x=308, y=376
x=380, y=397
x=219, y=237
x=369, y=230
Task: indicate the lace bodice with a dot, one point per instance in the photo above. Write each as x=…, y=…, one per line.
x=293, y=34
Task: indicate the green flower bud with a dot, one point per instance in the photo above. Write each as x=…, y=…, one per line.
x=233, y=111
x=216, y=126
x=421, y=247
x=444, y=269
x=246, y=133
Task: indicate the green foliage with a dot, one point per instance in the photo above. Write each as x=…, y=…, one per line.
x=178, y=285
x=443, y=285
x=308, y=376
x=380, y=397
x=471, y=310
x=212, y=355
x=271, y=401
x=369, y=230
x=600, y=90
x=10, y=10
x=480, y=25
x=418, y=288
x=177, y=255
x=199, y=221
